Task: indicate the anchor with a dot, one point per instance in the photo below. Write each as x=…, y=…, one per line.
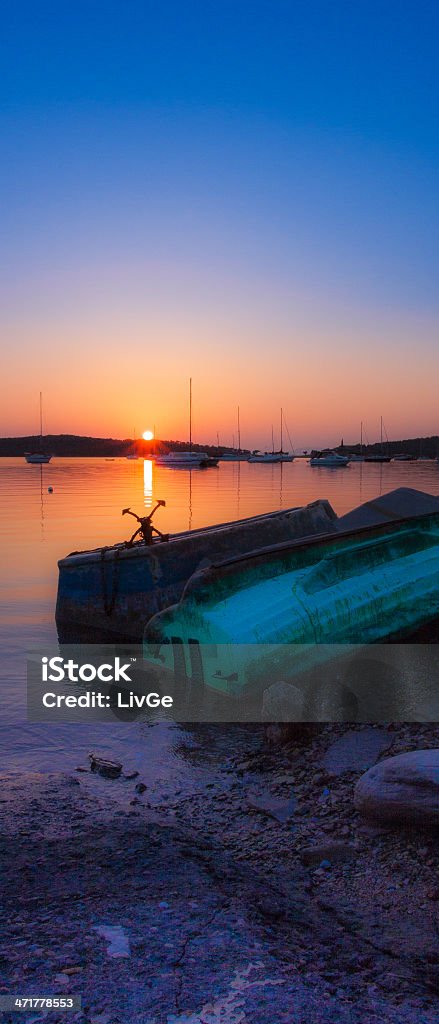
x=148, y=533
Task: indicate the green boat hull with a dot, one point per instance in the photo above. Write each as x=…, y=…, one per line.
x=275, y=612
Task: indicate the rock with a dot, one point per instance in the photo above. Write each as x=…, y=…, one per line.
x=335, y=853
x=282, y=709
x=109, y=769
x=141, y=788
x=402, y=789
x=274, y=807
x=356, y=750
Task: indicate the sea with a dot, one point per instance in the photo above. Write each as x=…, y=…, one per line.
x=74, y=504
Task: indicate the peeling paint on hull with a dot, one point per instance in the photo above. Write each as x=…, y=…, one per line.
x=111, y=593
x=362, y=587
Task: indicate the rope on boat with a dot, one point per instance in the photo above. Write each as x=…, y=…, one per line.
x=109, y=599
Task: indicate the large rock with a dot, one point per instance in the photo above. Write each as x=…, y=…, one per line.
x=282, y=702
x=402, y=789
x=282, y=710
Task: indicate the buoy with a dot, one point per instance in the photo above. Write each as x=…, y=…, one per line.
x=50, y=490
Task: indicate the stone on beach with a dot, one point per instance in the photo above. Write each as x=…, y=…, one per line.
x=356, y=750
x=402, y=789
x=333, y=853
x=282, y=710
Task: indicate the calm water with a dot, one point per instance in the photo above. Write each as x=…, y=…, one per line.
x=84, y=510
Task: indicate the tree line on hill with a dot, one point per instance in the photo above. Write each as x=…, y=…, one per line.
x=71, y=445
x=74, y=445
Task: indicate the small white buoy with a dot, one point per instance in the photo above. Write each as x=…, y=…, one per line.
x=50, y=490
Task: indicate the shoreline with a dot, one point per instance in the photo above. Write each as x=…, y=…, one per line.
x=222, y=904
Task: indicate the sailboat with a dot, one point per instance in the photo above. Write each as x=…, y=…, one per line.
x=283, y=456
x=360, y=457
x=186, y=459
x=279, y=456
x=133, y=454
x=234, y=456
x=40, y=457
x=379, y=457
x=272, y=456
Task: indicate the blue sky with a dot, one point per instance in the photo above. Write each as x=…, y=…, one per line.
x=243, y=191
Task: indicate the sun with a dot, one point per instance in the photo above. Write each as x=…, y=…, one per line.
x=148, y=435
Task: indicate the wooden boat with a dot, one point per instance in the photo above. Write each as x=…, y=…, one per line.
x=111, y=592
x=249, y=618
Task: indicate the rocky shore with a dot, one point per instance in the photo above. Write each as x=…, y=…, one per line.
x=259, y=895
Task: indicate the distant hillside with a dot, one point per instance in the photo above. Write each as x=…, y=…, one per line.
x=416, y=446
x=74, y=445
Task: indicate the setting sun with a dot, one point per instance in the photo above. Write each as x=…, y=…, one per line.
x=148, y=435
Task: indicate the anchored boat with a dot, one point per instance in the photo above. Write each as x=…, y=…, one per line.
x=38, y=458
x=186, y=460
x=111, y=592
x=328, y=458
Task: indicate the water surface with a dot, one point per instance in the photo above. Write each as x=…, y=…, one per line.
x=84, y=510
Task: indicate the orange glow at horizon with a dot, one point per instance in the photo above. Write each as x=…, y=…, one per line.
x=324, y=378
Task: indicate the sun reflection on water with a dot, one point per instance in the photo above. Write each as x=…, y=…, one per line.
x=147, y=482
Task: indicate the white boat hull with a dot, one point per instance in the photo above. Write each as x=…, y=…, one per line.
x=37, y=458
x=335, y=462
x=185, y=460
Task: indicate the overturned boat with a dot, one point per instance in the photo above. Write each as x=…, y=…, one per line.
x=110, y=593
x=376, y=579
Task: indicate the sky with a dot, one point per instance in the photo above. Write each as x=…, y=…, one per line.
x=245, y=193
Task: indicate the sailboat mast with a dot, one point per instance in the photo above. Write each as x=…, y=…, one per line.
x=281, y=437
x=361, y=437
x=190, y=413
x=381, y=434
x=41, y=416
x=272, y=439
x=239, y=433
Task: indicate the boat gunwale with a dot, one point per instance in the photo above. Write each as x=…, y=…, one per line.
x=221, y=569
x=121, y=549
